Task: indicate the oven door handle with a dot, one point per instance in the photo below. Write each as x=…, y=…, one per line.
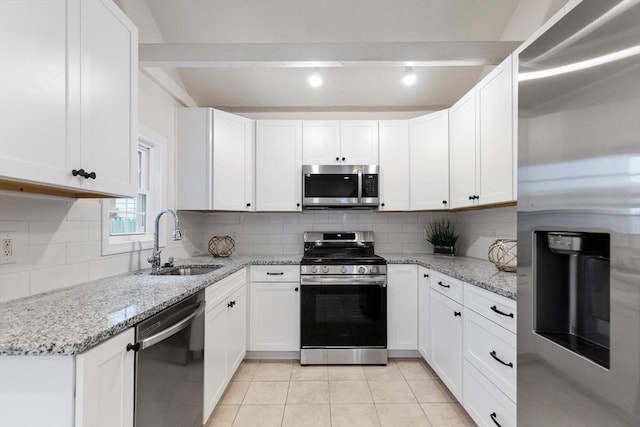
x=344, y=281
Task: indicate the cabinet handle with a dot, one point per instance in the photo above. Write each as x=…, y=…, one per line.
x=426, y=275
x=229, y=305
x=248, y=204
x=275, y=274
x=382, y=204
x=83, y=173
x=457, y=314
x=495, y=356
x=495, y=309
x=343, y=159
x=91, y=175
x=443, y=285
x=297, y=205
x=77, y=172
x=337, y=159
x=471, y=197
x=296, y=289
x=476, y=197
x=444, y=202
x=134, y=347
x=493, y=418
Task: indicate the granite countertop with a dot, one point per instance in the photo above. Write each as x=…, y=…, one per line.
x=69, y=321
x=477, y=272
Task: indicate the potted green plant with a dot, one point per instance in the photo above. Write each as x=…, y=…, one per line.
x=441, y=234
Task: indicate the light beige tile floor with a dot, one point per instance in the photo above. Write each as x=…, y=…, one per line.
x=405, y=393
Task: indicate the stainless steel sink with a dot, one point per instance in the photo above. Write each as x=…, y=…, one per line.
x=187, y=270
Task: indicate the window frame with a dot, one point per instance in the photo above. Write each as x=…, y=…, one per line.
x=126, y=243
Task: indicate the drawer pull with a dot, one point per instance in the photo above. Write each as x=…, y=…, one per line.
x=495, y=309
x=457, y=313
x=493, y=418
x=495, y=356
x=275, y=274
x=426, y=275
x=443, y=285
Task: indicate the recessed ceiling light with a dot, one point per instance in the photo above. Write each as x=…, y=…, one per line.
x=409, y=77
x=315, y=79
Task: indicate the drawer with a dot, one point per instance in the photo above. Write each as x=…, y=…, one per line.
x=494, y=307
x=220, y=290
x=492, y=350
x=453, y=288
x=486, y=404
x=275, y=273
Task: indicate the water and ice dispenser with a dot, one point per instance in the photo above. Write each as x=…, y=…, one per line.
x=571, y=291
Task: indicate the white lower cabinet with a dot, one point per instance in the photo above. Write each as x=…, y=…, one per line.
x=402, y=307
x=274, y=314
x=92, y=389
x=486, y=404
x=224, y=336
x=104, y=383
x=424, y=330
x=446, y=341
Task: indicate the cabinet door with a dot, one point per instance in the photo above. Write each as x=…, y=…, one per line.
x=402, y=307
x=424, y=326
x=359, y=142
x=278, y=165
x=104, y=384
x=194, y=158
x=462, y=149
x=34, y=143
x=320, y=142
x=446, y=341
x=231, y=149
x=394, y=165
x=495, y=127
x=429, y=154
x=108, y=94
x=274, y=316
x=237, y=329
x=215, y=356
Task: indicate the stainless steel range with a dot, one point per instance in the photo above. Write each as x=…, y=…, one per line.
x=343, y=300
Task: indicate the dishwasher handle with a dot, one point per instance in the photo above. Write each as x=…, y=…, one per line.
x=171, y=330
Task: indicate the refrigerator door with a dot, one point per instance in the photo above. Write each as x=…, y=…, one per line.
x=579, y=172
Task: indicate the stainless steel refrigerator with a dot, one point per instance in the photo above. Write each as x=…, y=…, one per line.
x=579, y=220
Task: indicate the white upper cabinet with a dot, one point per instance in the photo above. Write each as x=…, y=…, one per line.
x=429, y=154
x=359, y=142
x=329, y=142
x=462, y=148
x=215, y=160
x=278, y=165
x=495, y=135
x=481, y=141
x=68, y=79
x=320, y=142
x=394, y=165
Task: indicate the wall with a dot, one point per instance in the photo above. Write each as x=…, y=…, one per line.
x=281, y=233
x=58, y=241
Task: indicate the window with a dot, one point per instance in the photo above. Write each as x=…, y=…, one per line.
x=127, y=224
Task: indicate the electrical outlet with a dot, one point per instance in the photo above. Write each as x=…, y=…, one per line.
x=7, y=254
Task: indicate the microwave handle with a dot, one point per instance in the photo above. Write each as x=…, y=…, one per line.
x=359, y=185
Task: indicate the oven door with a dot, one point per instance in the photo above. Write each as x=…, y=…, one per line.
x=343, y=311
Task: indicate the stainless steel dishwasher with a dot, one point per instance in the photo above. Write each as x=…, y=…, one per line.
x=169, y=366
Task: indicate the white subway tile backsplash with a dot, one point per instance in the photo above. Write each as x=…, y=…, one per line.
x=83, y=251
x=63, y=276
x=29, y=207
x=13, y=286
x=85, y=210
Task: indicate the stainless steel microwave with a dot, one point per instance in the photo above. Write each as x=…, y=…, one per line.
x=339, y=186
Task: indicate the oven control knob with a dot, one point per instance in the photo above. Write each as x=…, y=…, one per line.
x=325, y=269
x=362, y=270
x=343, y=269
x=314, y=269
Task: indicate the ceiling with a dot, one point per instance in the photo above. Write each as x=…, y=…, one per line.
x=256, y=55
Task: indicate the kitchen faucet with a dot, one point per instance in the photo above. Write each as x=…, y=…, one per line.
x=154, y=259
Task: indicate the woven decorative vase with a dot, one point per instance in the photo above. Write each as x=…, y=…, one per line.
x=221, y=246
x=503, y=253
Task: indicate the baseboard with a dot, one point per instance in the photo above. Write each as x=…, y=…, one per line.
x=284, y=355
x=404, y=354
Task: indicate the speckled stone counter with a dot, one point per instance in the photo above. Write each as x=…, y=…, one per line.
x=474, y=271
x=71, y=320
